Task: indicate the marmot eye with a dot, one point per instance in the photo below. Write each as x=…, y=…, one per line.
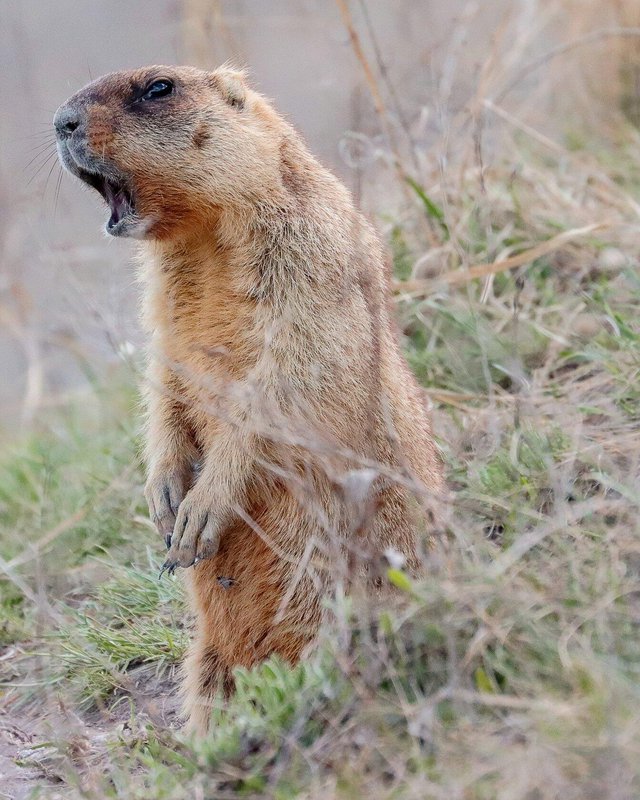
x=157, y=89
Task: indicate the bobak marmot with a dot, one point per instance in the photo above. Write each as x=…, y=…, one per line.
x=287, y=440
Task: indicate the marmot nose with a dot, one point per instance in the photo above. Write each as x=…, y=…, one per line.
x=65, y=121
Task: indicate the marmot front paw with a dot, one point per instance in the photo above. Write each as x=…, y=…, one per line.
x=196, y=532
x=164, y=491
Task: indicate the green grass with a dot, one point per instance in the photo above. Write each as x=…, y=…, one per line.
x=130, y=620
x=508, y=672
x=69, y=492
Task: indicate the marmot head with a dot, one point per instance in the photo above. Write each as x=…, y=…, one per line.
x=168, y=147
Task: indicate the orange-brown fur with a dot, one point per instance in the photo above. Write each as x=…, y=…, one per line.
x=287, y=439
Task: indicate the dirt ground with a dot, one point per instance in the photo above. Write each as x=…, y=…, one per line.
x=31, y=760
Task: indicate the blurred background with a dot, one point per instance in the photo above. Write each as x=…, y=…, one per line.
x=376, y=88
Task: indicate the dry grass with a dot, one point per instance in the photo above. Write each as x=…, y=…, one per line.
x=510, y=671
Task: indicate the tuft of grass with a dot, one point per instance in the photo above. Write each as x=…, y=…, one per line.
x=133, y=619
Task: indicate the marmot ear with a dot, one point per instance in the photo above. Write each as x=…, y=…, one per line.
x=231, y=85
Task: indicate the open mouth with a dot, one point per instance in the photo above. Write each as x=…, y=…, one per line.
x=116, y=194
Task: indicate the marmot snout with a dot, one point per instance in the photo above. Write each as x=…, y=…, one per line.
x=165, y=146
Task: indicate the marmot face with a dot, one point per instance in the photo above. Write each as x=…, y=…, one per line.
x=167, y=147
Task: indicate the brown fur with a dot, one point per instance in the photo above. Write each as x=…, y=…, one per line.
x=287, y=439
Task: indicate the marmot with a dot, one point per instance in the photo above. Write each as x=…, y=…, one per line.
x=288, y=443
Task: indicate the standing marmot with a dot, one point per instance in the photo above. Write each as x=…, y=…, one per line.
x=286, y=433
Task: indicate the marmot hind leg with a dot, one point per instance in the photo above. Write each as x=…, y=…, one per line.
x=205, y=676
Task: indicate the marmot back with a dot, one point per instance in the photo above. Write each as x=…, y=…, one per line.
x=287, y=441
